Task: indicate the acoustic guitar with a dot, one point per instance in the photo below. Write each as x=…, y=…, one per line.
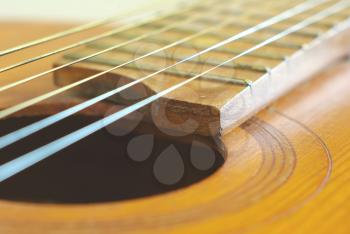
x=215, y=116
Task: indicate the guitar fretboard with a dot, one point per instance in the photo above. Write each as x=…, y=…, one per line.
x=204, y=26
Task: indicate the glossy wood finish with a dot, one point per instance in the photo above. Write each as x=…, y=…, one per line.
x=287, y=171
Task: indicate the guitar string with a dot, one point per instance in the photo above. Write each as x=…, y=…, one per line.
x=288, y=14
x=84, y=42
x=139, y=38
x=27, y=79
x=147, y=17
x=30, y=129
x=27, y=160
x=86, y=27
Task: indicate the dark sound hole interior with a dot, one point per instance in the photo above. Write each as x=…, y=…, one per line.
x=96, y=169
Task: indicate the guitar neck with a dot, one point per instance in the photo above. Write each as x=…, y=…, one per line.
x=234, y=81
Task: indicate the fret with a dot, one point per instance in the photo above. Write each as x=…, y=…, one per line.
x=257, y=77
x=207, y=40
x=235, y=9
x=245, y=5
x=213, y=62
x=295, y=41
x=181, y=15
x=249, y=5
x=278, y=8
x=151, y=68
x=277, y=29
x=229, y=10
x=239, y=24
x=258, y=60
x=326, y=23
x=248, y=9
x=167, y=59
x=313, y=30
x=199, y=47
x=220, y=35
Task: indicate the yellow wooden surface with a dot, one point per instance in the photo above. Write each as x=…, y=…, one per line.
x=287, y=172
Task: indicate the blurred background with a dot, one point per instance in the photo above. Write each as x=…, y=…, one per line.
x=73, y=10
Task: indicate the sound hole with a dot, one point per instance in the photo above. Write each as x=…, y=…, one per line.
x=96, y=169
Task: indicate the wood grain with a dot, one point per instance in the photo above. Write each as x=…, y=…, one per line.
x=287, y=171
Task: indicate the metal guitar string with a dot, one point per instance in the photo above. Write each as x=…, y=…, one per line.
x=30, y=129
x=21, y=163
x=285, y=15
x=84, y=42
x=84, y=27
x=110, y=33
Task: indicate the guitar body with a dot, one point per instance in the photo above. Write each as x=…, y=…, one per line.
x=286, y=171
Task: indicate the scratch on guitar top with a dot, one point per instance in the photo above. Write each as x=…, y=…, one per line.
x=320, y=188
x=324, y=146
